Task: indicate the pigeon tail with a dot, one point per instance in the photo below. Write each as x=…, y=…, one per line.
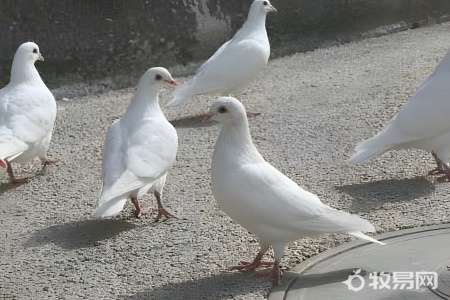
x=390, y=137
x=362, y=236
x=382, y=142
x=109, y=208
x=12, y=149
x=182, y=95
x=333, y=220
x=364, y=153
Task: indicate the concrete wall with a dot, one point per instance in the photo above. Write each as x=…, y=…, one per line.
x=117, y=40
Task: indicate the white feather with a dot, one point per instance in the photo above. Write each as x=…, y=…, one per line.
x=235, y=63
x=422, y=123
x=139, y=148
x=262, y=199
x=27, y=110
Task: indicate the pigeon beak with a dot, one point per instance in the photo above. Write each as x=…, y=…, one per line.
x=271, y=8
x=41, y=57
x=172, y=82
x=208, y=117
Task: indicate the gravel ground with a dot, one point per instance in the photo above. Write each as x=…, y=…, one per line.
x=315, y=107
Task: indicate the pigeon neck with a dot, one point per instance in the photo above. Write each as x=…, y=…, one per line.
x=25, y=71
x=255, y=19
x=145, y=102
x=236, y=136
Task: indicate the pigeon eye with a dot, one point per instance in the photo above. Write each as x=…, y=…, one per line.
x=34, y=50
x=222, y=109
x=265, y=3
x=158, y=77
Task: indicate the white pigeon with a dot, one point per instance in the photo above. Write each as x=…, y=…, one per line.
x=27, y=113
x=236, y=63
x=139, y=149
x=422, y=123
x=263, y=200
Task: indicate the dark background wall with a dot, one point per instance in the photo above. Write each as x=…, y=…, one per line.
x=116, y=40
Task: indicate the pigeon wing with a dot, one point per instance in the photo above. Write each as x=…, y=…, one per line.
x=277, y=206
x=137, y=159
x=426, y=112
x=26, y=116
x=234, y=64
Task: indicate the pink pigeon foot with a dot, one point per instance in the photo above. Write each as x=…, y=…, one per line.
x=161, y=210
x=137, y=208
x=256, y=263
x=248, y=266
x=440, y=169
x=436, y=171
x=274, y=274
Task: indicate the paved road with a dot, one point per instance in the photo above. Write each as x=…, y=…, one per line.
x=315, y=107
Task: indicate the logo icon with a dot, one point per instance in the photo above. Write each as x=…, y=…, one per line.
x=349, y=281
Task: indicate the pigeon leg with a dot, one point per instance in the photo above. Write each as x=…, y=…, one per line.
x=48, y=161
x=441, y=167
x=137, y=207
x=161, y=210
x=257, y=262
x=274, y=274
x=13, y=179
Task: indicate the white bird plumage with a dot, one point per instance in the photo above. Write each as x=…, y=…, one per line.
x=27, y=112
x=235, y=63
x=422, y=123
x=139, y=149
x=263, y=200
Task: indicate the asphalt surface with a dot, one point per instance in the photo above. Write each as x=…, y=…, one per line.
x=315, y=107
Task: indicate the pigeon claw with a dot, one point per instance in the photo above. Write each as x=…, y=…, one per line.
x=248, y=266
x=274, y=274
x=436, y=171
x=140, y=213
x=163, y=212
x=440, y=169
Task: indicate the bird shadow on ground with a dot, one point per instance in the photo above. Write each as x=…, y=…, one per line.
x=4, y=187
x=226, y=285
x=314, y=280
x=192, y=122
x=80, y=234
x=370, y=195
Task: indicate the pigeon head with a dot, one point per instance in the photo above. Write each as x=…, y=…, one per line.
x=29, y=52
x=262, y=6
x=159, y=76
x=226, y=110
